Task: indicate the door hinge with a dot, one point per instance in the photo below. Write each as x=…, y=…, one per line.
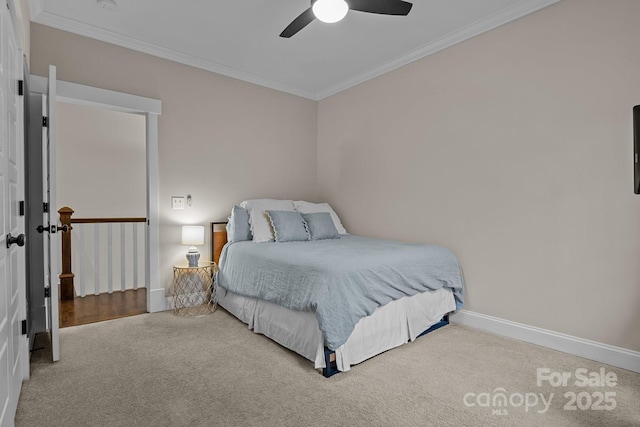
x=47, y=292
x=21, y=207
x=20, y=87
x=45, y=207
x=24, y=327
x=45, y=122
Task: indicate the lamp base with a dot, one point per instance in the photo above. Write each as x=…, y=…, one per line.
x=192, y=258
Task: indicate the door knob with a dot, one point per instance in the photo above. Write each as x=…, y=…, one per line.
x=48, y=228
x=18, y=240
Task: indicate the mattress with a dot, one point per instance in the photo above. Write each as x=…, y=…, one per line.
x=389, y=326
x=339, y=280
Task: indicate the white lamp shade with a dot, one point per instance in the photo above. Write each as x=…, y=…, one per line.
x=330, y=11
x=193, y=235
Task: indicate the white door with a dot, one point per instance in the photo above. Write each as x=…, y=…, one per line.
x=52, y=242
x=14, y=354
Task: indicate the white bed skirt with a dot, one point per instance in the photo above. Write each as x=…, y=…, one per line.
x=389, y=326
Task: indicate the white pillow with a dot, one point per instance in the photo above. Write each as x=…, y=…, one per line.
x=308, y=207
x=258, y=219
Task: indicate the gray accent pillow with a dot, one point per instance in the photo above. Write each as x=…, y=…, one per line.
x=261, y=228
x=288, y=226
x=320, y=226
x=238, y=228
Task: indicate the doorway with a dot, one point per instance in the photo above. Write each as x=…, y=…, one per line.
x=149, y=109
x=101, y=175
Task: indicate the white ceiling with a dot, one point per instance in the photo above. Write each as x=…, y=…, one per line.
x=240, y=38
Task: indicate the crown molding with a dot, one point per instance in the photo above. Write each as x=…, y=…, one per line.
x=40, y=16
x=82, y=29
x=475, y=29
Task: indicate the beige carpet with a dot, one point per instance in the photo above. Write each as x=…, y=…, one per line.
x=162, y=370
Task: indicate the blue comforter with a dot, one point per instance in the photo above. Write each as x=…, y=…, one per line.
x=341, y=280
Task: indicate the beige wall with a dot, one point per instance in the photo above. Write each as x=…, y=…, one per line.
x=220, y=140
x=515, y=150
x=101, y=162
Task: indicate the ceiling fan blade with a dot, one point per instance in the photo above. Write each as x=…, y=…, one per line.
x=304, y=19
x=383, y=7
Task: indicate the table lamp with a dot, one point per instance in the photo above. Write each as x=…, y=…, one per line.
x=193, y=235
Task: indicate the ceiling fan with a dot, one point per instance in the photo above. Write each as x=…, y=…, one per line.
x=334, y=10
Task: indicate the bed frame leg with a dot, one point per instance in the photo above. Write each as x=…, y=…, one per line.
x=331, y=368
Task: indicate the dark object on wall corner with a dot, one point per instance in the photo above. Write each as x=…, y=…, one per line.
x=636, y=149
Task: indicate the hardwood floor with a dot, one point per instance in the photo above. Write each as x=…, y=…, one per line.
x=97, y=308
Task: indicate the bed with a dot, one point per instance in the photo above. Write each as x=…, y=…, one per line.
x=291, y=272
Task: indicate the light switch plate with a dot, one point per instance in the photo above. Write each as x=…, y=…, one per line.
x=177, y=202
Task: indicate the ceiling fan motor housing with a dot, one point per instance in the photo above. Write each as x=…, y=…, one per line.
x=381, y=7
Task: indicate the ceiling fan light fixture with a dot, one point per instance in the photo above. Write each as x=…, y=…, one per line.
x=330, y=11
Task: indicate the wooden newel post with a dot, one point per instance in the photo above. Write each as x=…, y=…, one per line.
x=66, y=277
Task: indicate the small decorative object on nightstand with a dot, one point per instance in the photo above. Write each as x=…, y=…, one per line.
x=193, y=235
x=194, y=289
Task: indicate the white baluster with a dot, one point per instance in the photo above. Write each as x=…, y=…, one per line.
x=134, y=227
x=81, y=257
x=110, y=257
x=96, y=258
x=123, y=265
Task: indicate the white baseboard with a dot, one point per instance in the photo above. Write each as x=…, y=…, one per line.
x=604, y=353
x=156, y=300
